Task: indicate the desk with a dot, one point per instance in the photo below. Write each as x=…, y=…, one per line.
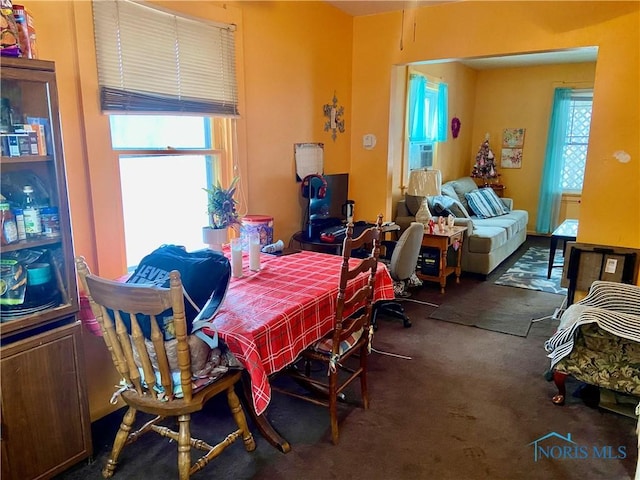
x=269, y=317
x=567, y=231
x=300, y=240
x=442, y=241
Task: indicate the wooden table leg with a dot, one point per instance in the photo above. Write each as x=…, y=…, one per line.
x=552, y=254
x=443, y=266
x=264, y=426
x=459, y=261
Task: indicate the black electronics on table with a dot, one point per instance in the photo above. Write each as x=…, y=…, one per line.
x=327, y=206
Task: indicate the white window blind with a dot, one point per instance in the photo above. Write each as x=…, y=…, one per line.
x=153, y=61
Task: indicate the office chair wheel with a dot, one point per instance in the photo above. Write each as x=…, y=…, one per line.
x=406, y=322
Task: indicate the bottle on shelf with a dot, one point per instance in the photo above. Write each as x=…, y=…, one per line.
x=32, y=220
x=9, y=227
x=19, y=216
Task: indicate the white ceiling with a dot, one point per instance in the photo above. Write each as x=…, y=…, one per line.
x=574, y=55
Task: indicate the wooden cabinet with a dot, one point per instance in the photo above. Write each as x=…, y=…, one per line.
x=45, y=420
x=442, y=241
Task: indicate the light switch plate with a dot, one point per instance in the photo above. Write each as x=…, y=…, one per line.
x=369, y=141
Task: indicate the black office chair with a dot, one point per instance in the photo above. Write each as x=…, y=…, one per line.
x=402, y=265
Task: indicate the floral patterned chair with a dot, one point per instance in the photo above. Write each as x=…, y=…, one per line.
x=598, y=340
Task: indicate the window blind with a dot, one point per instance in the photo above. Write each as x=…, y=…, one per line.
x=152, y=61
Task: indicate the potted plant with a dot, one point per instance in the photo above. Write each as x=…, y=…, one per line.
x=221, y=207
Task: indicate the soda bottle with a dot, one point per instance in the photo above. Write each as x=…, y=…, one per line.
x=32, y=220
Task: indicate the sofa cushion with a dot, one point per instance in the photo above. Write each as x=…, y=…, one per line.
x=463, y=186
x=443, y=204
x=513, y=222
x=485, y=203
x=448, y=190
x=413, y=203
x=486, y=239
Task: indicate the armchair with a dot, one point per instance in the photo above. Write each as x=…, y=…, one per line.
x=598, y=340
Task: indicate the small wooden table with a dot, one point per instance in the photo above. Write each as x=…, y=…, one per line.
x=442, y=241
x=496, y=187
x=567, y=231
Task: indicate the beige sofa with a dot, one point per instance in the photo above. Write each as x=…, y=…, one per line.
x=488, y=241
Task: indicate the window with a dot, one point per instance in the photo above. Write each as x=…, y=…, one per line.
x=574, y=150
x=168, y=82
x=427, y=121
x=163, y=200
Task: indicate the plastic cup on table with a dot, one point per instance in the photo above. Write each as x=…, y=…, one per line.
x=236, y=257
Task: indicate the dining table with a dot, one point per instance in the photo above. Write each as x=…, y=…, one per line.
x=269, y=316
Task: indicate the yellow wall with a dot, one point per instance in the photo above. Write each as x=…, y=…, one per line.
x=522, y=98
x=475, y=29
x=292, y=58
x=452, y=156
x=295, y=55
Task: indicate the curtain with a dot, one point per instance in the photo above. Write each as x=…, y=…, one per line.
x=550, y=188
x=417, y=114
x=153, y=61
x=442, y=112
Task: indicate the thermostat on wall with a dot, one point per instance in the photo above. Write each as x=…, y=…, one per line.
x=369, y=141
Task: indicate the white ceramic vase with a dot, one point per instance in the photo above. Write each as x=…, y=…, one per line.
x=423, y=215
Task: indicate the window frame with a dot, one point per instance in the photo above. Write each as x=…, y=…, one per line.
x=218, y=130
x=576, y=95
x=431, y=92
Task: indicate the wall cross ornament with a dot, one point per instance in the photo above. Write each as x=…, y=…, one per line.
x=335, y=122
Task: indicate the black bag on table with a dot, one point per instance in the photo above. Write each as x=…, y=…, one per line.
x=205, y=278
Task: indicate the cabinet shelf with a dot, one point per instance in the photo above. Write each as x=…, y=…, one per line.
x=38, y=242
x=40, y=349
x=26, y=159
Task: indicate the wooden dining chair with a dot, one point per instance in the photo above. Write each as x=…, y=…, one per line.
x=149, y=384
x=349, y=340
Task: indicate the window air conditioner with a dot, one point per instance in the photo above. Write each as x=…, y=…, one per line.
x=421, y=155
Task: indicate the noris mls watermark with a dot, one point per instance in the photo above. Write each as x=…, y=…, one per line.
x=555, y=446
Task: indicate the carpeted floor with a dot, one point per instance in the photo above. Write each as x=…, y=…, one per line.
x=467, y=405
x=498, y=308
x=530, y=272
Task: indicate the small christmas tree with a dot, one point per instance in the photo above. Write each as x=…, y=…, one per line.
x=485, y=166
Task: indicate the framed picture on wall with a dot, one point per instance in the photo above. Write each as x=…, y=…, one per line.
x=513, y=137
x=511, y=158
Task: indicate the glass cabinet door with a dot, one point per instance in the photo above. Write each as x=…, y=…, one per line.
x=37, y=283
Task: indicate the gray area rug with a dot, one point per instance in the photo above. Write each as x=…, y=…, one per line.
x=486, y=306
x=530, y=272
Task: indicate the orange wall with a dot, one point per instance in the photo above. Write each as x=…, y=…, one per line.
x=453, y=156
x=295, y=55
x=470, y=29
x=292, y=57
x=521, y=98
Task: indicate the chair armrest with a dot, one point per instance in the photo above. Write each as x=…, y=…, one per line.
x=618, y=297
x=508, y=202
x=464, y=222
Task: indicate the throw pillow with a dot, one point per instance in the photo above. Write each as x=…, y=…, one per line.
x=447, y=189
x=413, y=203
x=462, y=186
x=443, y=205
x=485, y=203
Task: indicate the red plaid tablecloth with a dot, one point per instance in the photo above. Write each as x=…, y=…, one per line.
x=269, y=317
